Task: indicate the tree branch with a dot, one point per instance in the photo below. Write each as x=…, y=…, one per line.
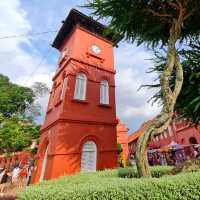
x=189, y=14
x=158, y=14
x=180, y=5
x=179, y=77
x=174, y=5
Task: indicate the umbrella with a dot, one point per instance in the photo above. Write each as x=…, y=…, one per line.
x=172, y=146
x=175, y=146
x=153, y=150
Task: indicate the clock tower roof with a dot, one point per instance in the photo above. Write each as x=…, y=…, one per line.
x=74, y=18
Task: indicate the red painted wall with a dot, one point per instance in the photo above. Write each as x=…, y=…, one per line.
x=179, y=131
x=132, y=138
x=122, y=138
x=69, y=123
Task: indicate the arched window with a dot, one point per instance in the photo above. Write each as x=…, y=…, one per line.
x=80, y=87
x=193, y=140
x=104, y=92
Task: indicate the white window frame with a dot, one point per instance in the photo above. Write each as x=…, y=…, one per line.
x=63, y=88
x=80, y=86
x=104, y=92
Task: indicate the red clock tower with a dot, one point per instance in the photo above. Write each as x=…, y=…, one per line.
x=79, y=131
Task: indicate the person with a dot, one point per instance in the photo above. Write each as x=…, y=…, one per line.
x=162, y=159
x=16, y=161
x=15, y=174
x=22, y=175
x=157, y=158
x=150, y=159
x=30, y=170
x=132, y=159
x=4, y=181
x=2, y=174
x=195, y=154
x=154, y=158
x=29, y=175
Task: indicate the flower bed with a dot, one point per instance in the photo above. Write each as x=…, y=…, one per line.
x=107, y=185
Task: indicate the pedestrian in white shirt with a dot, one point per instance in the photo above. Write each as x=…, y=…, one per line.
x=15, y=173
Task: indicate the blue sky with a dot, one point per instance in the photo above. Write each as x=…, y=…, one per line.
x=31, y=58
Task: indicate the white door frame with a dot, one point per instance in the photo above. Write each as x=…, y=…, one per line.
x=89, y=156
x=44, y=164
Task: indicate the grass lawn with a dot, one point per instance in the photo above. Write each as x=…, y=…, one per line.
x=109, y=186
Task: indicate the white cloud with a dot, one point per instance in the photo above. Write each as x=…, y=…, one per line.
x=13, y=19
x=132, y=105
x=147, y=111
x=129, y=55
x=12, y=22
x=16, y=62
x=20, y=65
x=20, y=57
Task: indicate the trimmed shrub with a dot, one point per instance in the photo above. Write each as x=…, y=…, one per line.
x=130, y=172
x=187, y=166
x=159, y=171
x=107, y=186
x=156, y=171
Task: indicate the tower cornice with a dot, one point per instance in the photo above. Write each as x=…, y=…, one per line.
x=81, y=62
x=76, y=17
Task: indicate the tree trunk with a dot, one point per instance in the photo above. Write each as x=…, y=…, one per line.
x=161, y=122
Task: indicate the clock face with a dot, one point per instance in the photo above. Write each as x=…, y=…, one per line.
x=96, y=49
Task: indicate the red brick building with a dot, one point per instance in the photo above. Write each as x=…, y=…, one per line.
x=132, y=138
x=179, y=131
x=79, y=131
x=122, y=138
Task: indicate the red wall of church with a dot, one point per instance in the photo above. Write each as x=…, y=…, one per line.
x=180, y=132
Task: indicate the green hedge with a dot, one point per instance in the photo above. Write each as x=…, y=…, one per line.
x=156, y=171
x=107, y=186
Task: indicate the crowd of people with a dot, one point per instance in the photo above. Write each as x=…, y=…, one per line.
x=170, y=157
x=173, y=157
x=16, y=175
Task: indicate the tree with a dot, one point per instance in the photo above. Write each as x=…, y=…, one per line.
x=153, y=22
x=40, y=91
x=16, y=134
x=13, y=98
x=19, y=107
x=188, y=101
